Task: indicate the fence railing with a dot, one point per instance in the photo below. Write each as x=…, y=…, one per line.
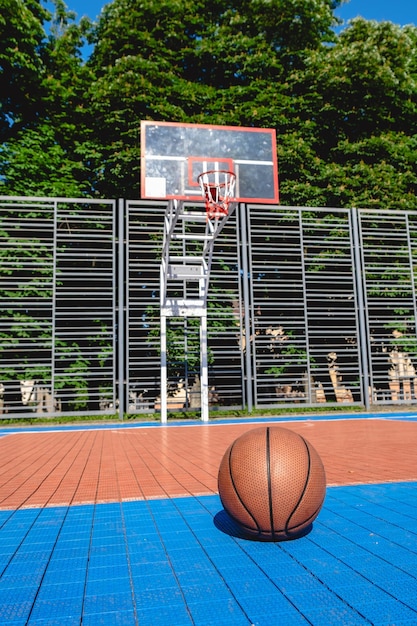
x=307, y=307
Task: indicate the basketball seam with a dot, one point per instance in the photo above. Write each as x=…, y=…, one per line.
x=268, y=471
x=238, y=495
x=304, y=488
x=311, y=517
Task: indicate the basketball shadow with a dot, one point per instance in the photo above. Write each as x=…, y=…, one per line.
x=228, y=526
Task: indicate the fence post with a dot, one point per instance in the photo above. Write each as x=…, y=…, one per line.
x=246, y=302
x=363, y=333
x=121, y=305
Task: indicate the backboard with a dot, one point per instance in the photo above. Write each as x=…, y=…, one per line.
x=173, y=155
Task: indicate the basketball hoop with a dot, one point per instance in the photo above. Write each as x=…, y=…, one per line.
x=217, y=188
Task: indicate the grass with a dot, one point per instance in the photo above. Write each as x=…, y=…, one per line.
x=183, y=415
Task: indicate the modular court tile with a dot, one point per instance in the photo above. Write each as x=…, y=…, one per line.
x=124, y=525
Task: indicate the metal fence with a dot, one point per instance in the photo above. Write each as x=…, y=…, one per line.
x=307, y=307
x=304, y=307
x=58, y=293
x=143, y=251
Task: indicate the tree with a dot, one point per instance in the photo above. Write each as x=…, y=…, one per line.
x=46, y=150
x=21, y=67
x=194, y=62
x=355, y=120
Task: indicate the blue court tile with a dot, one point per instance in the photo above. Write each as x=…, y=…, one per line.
x=341, y=616
x=225, y=553
x=404, y=589
x=74, y=529
x=145, y=543
x=12, y=596
x=206, y=574
x=4, y=561
x=178, y=539
x=15, y=610
x=110, y=602
x=166, y=616
x=203, y=590
x=23, y=518
x=69, y=621
x=64, y=552
x=188, y=561
x=160, y=596
x=389, y=612
x=109, y=511
x=290, y=618
x=222, y=612
x=251, y=585
x=307, y=581
x=53, y=515
x=371, y=567
x=24, y=567
x=161, y=569
x=149, y=557
x=31, y=558
x=112, y=618
x=108, y=585
x=61, y=590
x=40, y=534
x=68, y=535
x=22, y=582
x=66, y=565
x=4, y=516
x=348, y=570
x=153, y=580
x=64, y=577
x=307, y=601
x=111, y=550
x=80, y=514
x=338, y=579
x=108, y=538
x=264, y=604
x=55, y=608
x=119, y=570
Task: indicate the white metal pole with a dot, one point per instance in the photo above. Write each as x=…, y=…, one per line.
x=204, y=368
x=164, y=378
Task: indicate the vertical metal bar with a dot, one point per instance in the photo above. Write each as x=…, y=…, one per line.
x=247, y=301
x=360, y=288
x=115, y=253
x=240, y=301
x=204, y=369
x=305, y=304
x=163, y=269
x=164, y=377
x=121, y=316
x=410, y=261
x=54, y=270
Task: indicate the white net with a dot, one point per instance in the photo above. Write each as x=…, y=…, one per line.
x=217, y=188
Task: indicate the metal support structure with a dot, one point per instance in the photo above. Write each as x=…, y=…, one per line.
x=188, y=245
x=121, y=312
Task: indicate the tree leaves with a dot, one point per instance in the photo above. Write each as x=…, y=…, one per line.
x=344, y=106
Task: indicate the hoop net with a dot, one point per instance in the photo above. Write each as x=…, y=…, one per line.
x=217, y=188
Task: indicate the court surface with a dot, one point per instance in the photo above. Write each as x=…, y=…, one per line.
x=122, y=524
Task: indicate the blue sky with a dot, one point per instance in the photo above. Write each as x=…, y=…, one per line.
x=399, y=11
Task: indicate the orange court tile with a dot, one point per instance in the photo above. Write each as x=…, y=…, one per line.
x=44, y=468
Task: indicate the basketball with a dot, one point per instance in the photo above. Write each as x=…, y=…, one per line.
x=272, y=483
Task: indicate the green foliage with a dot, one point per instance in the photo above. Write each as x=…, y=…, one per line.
x=344, y=106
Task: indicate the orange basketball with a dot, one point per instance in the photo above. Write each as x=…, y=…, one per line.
x=272, y=483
